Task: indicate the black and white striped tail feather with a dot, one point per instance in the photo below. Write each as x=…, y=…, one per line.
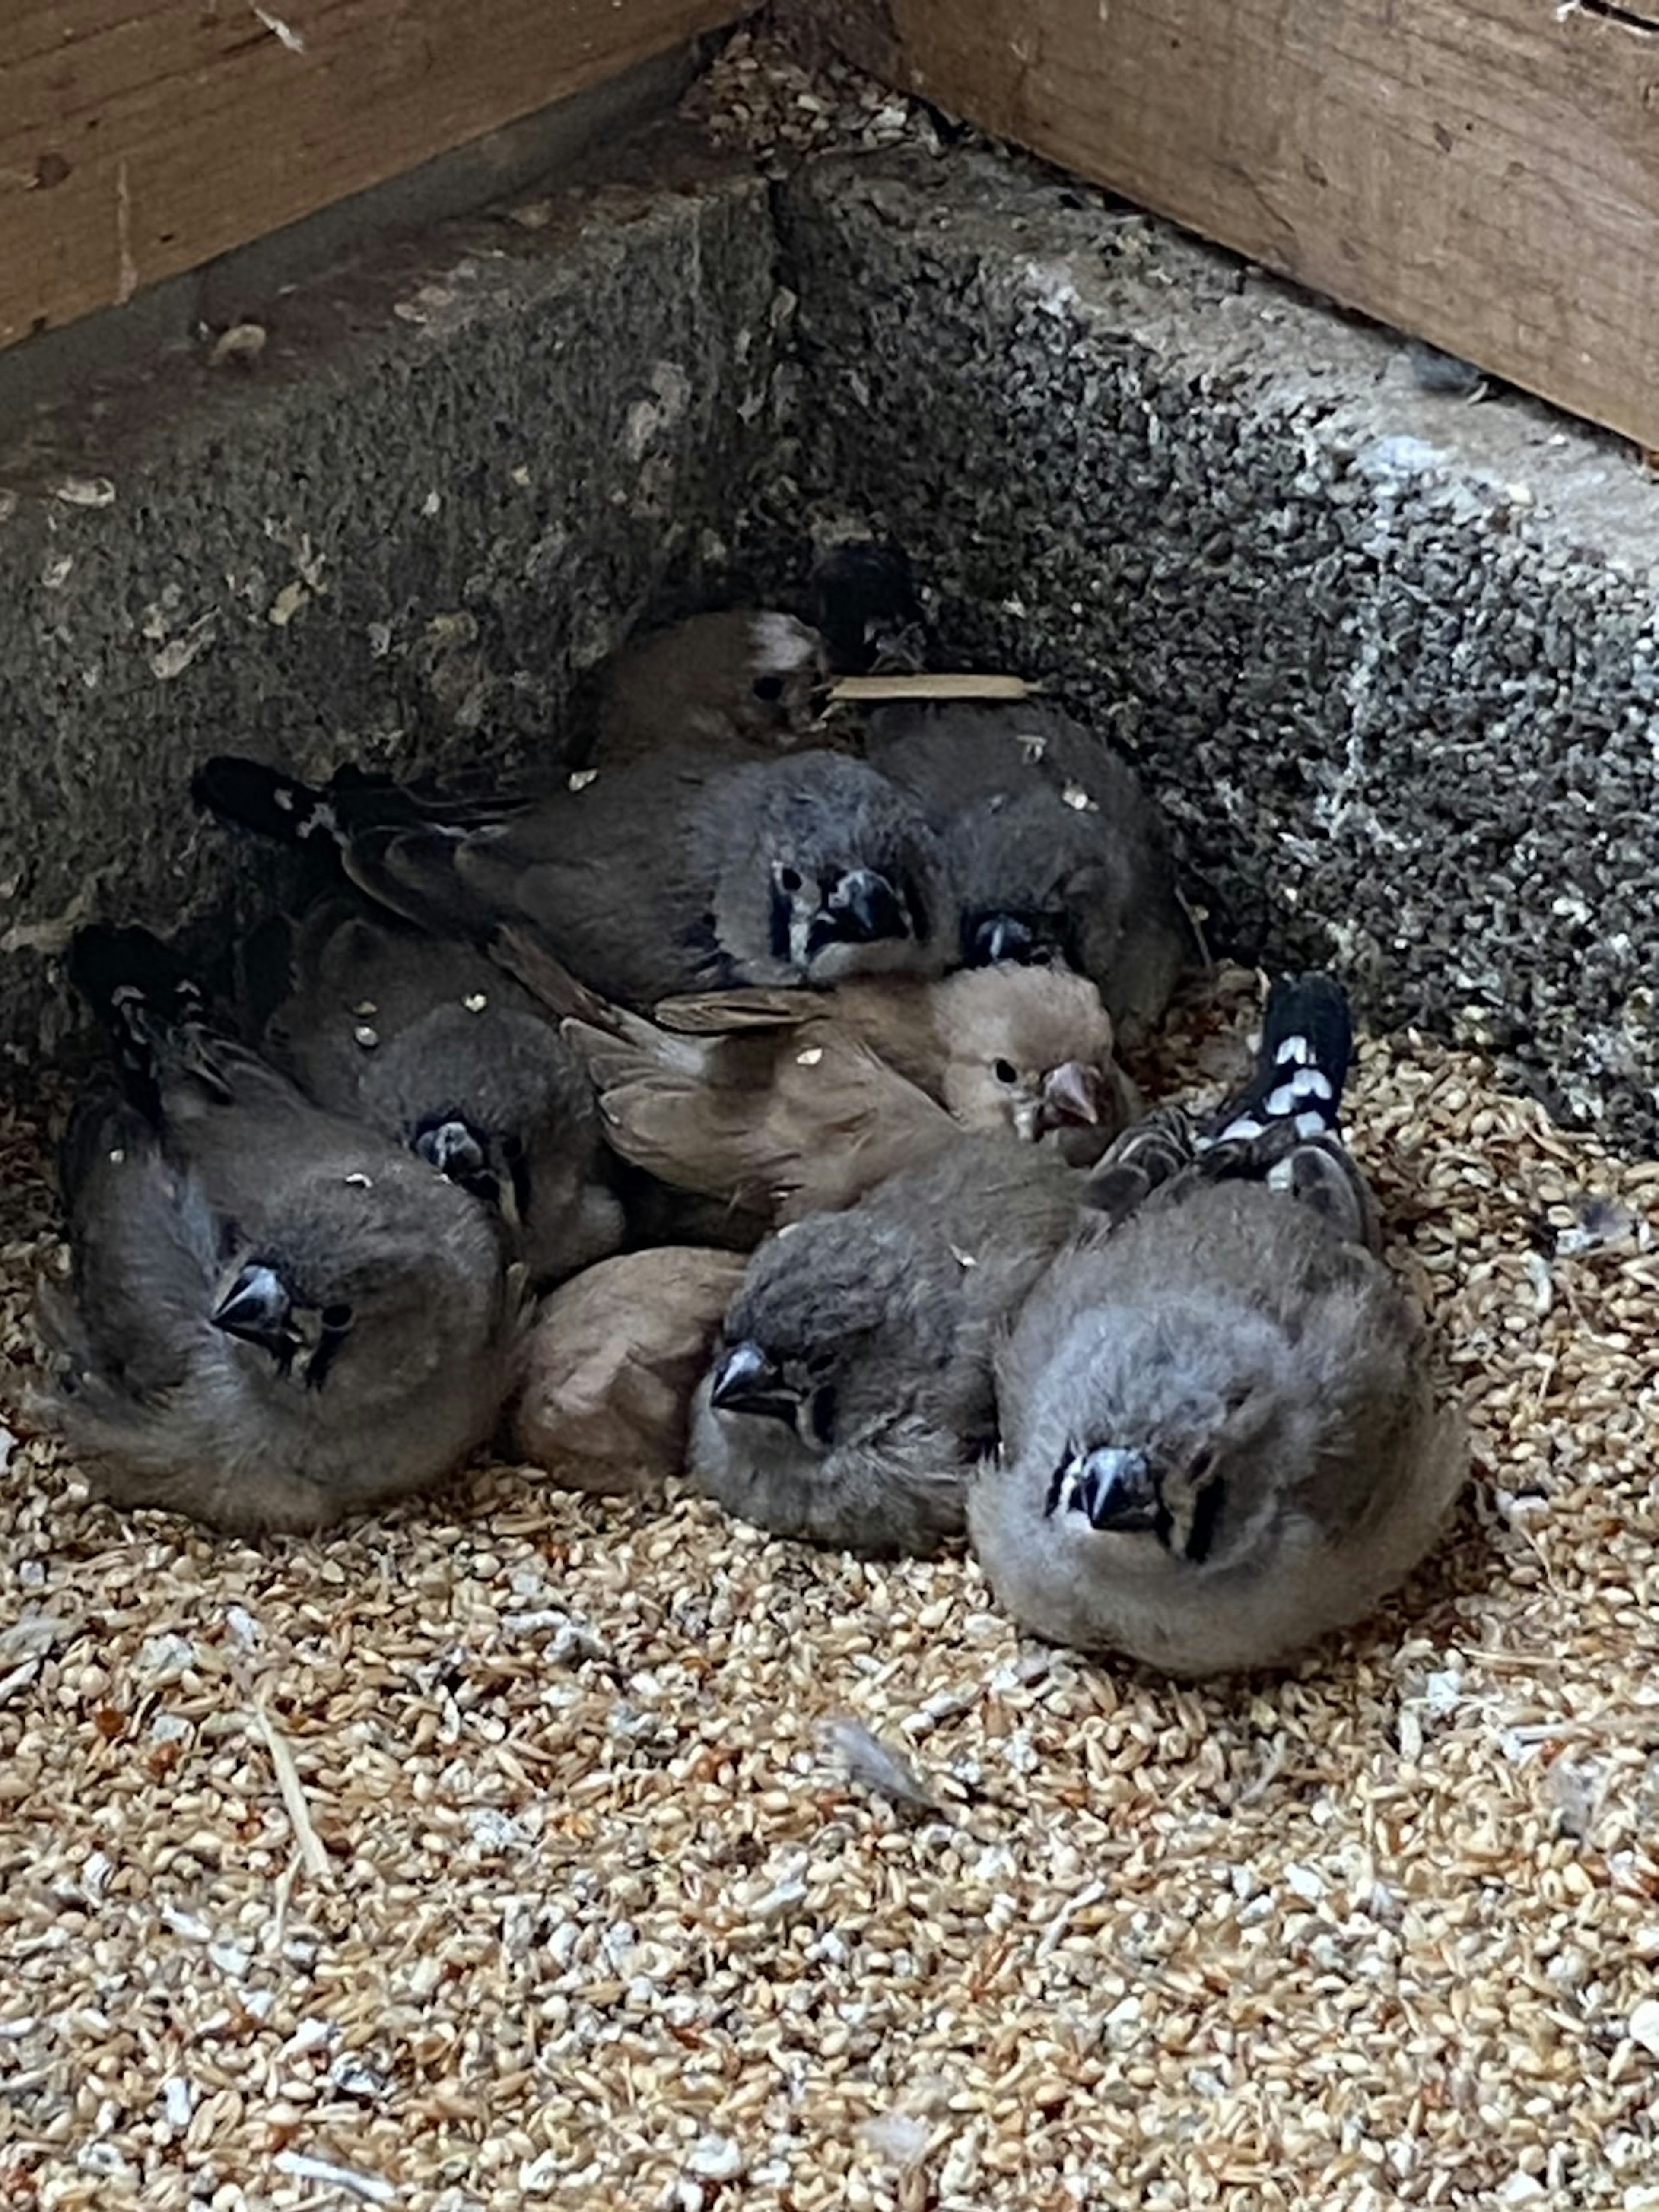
x=1307, y=1048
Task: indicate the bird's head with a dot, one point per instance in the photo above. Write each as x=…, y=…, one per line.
x=1187, y=1437
x=829, y=1329
x=487, y=1164
x=1030, y=1049
x=853, y=879
x=782, y=684
x=303, y=1335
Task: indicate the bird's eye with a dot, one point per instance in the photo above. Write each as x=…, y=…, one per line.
x=768, y=689
x=1006, y=1071
x=337, y=1319
x=788, y=879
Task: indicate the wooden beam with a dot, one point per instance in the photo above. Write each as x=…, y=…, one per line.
x=139, y=138
x=1483, y=173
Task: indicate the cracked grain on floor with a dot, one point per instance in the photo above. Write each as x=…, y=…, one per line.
x=497, y=1852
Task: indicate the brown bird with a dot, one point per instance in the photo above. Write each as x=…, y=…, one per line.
x=782, y=1103
x=610, y=1365
x=729, y=686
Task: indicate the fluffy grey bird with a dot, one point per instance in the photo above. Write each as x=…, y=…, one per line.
x=433, y=1045
x=740, y=685
x=1055, y=851
x=673, y=875
x=275, y=1317
x=782, y=1104
x=1220, y=1435
x=851, y=1390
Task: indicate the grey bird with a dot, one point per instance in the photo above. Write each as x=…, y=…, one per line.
x=1221, y=1437
x=673, y=875
x=852, y=1390
x=274, y=1316
x=786, y=1103
x=1055, y=851
x=432, y=1044
x=739, y=685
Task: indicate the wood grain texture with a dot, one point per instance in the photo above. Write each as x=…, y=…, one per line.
x=1483, y=173
x=141, y=137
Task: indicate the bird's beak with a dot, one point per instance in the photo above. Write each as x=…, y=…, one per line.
x=1114, y=1488
x=1071, y=1097
x=863, y=909
x=454, y=1148
x=257, y=1308
x=746, y=1382
x=1029, y=1124
x=995, y=937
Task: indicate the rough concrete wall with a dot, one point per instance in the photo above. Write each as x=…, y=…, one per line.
x=449, y=484
x=1389, y=658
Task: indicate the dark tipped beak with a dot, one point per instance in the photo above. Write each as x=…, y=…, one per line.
x=1071, y=1097
x=1115, y=1489
x=454, y=1149
x=746, y=1382
x=863, y=909
x=995, y=937
x=256, y=1307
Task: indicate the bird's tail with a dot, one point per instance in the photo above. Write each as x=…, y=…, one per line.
x=153, y=1011
x=1307, y=1048
x=248, y=794
x=1285, y=1127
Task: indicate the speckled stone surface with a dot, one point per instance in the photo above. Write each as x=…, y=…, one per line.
x=448, y=484
x=1390, y=659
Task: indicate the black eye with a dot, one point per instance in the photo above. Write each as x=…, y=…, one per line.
x=768, y=687
x=788, y=879
x=1006, y=1071
x=337, y=1319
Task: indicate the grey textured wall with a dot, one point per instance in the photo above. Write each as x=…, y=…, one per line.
x=449, y=484
x=1390, y=659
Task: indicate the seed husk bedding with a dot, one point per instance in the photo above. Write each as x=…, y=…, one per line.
x=518, y=1847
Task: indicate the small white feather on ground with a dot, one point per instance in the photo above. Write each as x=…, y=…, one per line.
x=608, y=1921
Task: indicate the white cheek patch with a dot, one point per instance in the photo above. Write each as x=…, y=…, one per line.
x=781, y=644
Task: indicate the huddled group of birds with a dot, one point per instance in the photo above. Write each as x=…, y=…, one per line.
x=750, y=1099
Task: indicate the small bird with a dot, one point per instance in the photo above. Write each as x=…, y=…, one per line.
x=782, y=1104
x=739, y=685
x=852, y=1388
x=864, y=603
x=610, y=1365
x=433, y=1045
x=1220, y=1435
x=1055, y=851
x=275, y=1317
x=672, y=875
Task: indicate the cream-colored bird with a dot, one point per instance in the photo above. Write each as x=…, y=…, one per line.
x=781, y=1103
x=611, y=1362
